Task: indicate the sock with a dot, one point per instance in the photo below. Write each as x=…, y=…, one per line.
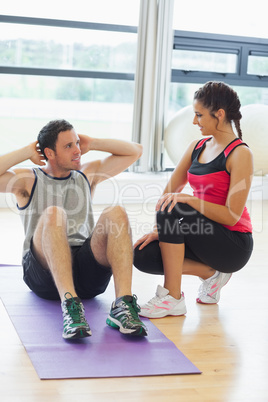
x=128, y=298
x=213, y=276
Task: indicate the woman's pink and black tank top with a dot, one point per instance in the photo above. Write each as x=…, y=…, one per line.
x=210, y=181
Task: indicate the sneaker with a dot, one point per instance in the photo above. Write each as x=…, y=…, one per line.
x=162, y=304
x=74, y=321
x=209, y=290
x=124, y=316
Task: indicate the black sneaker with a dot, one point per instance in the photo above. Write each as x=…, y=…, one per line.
x=124, y=316
x=74, y=321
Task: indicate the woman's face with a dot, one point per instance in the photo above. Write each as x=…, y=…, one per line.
x=204, y=120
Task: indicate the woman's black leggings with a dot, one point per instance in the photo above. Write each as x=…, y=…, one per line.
x=206, y=241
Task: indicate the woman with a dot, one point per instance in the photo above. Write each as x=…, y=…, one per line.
x=209, y=233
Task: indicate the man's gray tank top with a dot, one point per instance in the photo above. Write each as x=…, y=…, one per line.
x=71, y=193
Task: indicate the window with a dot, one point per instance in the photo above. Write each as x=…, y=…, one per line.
x=70, y=68
x=198, y=60
x=258, y=63
x=78, y=62
x=38, y=46
x=223, y=48
x=219, y=57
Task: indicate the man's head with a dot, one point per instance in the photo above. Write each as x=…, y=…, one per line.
x=48, y=135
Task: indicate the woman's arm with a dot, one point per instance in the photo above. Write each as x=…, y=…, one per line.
x=175, y=184
x=178, y=178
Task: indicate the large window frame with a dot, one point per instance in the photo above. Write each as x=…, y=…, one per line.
x=243, y=47
x=66, y=72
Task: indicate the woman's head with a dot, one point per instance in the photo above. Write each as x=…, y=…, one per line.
x=218, y=95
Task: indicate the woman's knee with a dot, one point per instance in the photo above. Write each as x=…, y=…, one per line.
x=173, y=225
x=138, y=259
x=149, y=259
x=168, y=224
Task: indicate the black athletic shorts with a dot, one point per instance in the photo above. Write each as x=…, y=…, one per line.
x=90, y=277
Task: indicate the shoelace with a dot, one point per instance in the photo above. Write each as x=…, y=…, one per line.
x=153, y=300
x=135, y=304
x=205, y=288
x=74, y=309
x=132, y=309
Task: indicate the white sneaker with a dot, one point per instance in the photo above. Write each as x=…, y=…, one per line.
x=209, y=290
x=163, y=304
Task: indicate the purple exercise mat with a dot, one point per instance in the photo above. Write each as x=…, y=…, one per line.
x=107, y=353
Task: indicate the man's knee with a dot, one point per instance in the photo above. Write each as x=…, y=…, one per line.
x=54, y=216
x=113, y=221
x=116, y=213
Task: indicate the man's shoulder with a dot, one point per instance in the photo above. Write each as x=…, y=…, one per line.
x=24, y=179
x=27, y=175
x=27, y=172
x=90, y=169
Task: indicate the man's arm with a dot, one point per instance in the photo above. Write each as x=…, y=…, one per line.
x=15, y=180
x=123, y=154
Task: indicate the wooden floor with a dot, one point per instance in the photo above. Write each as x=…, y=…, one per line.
x=227, y=342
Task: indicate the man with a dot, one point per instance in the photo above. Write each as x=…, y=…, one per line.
x=64, y=255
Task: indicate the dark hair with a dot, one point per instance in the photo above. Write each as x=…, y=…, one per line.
x=48, y=135
x=218, y=95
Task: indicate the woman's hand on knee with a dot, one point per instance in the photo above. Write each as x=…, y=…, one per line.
x=170, y=200
x=146, y=239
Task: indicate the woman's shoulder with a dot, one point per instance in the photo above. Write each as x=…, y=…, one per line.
x=196, y=146
x=240, y=149
x=197, y=143
x=240, y=156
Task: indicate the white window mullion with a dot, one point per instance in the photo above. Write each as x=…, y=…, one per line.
x=152, y=79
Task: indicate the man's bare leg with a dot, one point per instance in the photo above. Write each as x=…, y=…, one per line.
x=112, y=247
x=51, y=248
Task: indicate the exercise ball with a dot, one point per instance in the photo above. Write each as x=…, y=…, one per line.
x=255, y=134
x=180, y=131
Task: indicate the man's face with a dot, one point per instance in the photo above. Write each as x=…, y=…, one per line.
x=67, y=155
